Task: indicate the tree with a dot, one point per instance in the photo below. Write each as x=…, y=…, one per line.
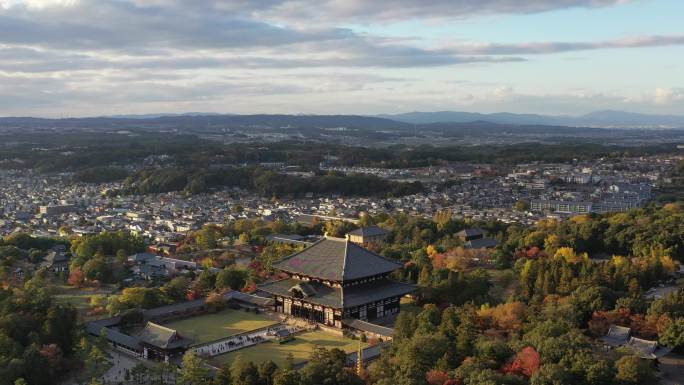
x=286, y=376
x=522, y=205
x=436, y=377
x=600, y=373
x=266, y=371
x=142, y=297
x=140, y=373
x=194, y=370
x=98, y=301
x=96, y=269
x=526, y=363
x=428, y=319
x=231, y=278
x=76, y=278
x=60, y=327
x=673, y=336
x=633, y=370
x=223, y=377
x=329, y=367
x=244, y=372
x=176, y=289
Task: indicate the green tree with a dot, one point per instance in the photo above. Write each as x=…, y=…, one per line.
x=223, y=377
x=329, y=367
x=194, y=370
x=244, y=372
x=231, y=278
x=633, y=370
x=176, y=289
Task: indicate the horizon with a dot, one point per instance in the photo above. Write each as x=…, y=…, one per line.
x=548, y=58
x=153, y=115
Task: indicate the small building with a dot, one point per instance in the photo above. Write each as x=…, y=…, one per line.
x=646, y=349
x=616, y=336
x=620, y=336
x=368, y=235
x=471, y=234
x=56, y=262
x=54, y=210
x=336, y=279
x=474, y=238
x=162, y=343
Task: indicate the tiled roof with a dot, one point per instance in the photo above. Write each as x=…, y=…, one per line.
x=325, y=295
x=336, y=259
x=475, y=231
x=337, y=297
x=481, y=243
x=369, y=327
x=369, y=231
x=162, y=337
x=374, y=291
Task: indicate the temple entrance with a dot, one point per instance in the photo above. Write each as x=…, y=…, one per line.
x=308, y=313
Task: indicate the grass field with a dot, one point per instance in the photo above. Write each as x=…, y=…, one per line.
x=80, y=298
x=225, y=323
x=301, y=348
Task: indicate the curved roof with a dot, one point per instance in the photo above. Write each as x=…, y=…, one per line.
x=336, y=259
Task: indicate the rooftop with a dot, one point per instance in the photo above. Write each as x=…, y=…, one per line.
x=336, y=259
x=338, y=297
x=162, y=337
x=369, y=231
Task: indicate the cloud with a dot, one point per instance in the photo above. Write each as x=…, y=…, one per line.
x=159, y=55
x=666, y=96
x=503, y=92
x=303, y=11
x=556, y=47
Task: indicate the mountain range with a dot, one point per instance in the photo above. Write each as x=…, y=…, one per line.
x=601, y=119
x=443, y=121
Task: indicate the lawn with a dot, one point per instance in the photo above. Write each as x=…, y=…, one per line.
x=80, y=298
x=210, y=327
x=301, y=348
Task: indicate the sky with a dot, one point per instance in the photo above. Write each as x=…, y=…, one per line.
x=68, y=58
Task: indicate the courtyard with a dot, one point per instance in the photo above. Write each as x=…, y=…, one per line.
x=300, y=348
x=214, y=326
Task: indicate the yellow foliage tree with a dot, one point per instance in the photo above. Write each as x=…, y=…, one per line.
x=568, y=253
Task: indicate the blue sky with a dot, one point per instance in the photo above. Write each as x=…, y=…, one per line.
x=96, y=57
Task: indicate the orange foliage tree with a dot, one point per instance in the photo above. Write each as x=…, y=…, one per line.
x=507, y=317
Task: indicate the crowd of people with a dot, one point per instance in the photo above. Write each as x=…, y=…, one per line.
x=243, y=340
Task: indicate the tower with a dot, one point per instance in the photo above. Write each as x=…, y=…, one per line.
x=359, y=361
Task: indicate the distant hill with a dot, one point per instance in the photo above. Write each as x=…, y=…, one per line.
x=208, y=121
x=605, y=119
x=448, y=124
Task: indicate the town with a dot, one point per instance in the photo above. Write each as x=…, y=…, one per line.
x=50, y=205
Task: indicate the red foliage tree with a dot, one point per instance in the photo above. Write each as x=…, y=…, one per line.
x=439, y=261
x=194, y=294
x=525, y=363
x=533, y=252
x=76, y=278
x=250, y=287
x=53, y=354
x=437, y=377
